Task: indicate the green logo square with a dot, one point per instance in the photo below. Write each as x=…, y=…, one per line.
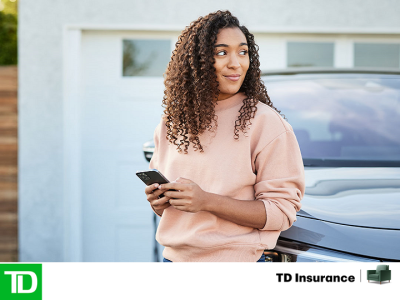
x=21, y=281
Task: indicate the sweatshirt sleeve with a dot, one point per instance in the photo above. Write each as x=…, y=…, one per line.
x=280, y=181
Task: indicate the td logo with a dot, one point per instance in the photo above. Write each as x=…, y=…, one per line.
x=21, y=281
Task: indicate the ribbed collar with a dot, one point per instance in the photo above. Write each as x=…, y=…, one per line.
x=230, y=102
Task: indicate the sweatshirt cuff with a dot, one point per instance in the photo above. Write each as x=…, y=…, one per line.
x=276, y=219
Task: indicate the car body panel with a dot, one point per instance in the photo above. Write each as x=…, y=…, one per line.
x=356, y=240
x=365, y=197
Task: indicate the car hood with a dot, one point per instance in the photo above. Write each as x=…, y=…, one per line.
x=362, y=197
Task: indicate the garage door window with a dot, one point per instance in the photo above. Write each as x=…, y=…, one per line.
x=145, y=57
x=309, y=54
x=377, y=55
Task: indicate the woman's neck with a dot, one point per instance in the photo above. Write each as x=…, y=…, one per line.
x=230, y=101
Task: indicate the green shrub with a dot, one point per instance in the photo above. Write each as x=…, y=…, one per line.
x=8, y=39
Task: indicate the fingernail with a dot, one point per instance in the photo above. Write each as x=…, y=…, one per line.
x=159, y=186
x=156, y=185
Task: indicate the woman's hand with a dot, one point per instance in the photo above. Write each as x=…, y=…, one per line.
x=188, y=196
x=152, y=193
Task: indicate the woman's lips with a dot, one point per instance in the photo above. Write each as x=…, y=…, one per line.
x=233, y=77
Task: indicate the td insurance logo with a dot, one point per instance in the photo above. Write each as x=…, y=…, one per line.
x=20, y=281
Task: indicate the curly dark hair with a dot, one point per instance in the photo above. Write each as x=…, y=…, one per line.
x=191, y=82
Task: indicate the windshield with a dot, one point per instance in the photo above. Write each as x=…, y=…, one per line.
x=342, y=120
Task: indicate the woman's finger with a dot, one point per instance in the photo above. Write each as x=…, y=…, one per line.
x=181, y=207
x=150, y=188
x=155, y=195
x=177, y=202
x=173, y=186
x=160, y=201
x=158, y=193
x=174, y=194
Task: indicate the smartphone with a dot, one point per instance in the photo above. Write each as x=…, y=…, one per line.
x=153, y=176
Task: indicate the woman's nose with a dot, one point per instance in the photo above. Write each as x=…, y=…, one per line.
x=233, y=62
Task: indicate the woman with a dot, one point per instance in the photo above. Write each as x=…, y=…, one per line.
x=237, y=164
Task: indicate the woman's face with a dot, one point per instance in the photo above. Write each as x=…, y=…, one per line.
x=231, y=61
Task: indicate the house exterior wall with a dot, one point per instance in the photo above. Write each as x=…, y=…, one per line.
x=41, y=78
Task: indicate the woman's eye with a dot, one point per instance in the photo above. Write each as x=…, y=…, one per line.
x=220, y=53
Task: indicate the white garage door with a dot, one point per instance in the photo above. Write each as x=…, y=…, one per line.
x=119, y=114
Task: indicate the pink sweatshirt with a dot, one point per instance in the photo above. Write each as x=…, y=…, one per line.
x=265, y=165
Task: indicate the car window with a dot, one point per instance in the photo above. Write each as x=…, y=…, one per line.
x=342, y=118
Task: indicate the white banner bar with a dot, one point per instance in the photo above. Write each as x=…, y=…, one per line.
x=215, y=281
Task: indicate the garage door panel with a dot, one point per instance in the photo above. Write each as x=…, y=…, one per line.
x=118, y=114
